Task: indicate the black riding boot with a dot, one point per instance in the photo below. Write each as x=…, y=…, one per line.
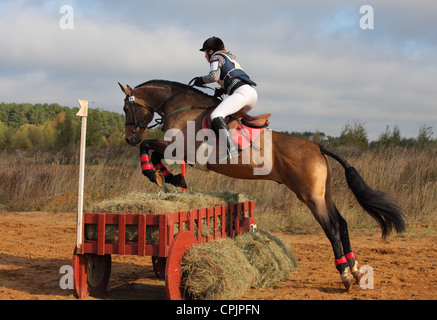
x=220, y=123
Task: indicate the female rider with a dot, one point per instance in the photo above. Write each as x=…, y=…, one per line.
x=225, y=70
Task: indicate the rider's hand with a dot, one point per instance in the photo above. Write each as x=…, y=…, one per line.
x=198, y=82
x=219, y=92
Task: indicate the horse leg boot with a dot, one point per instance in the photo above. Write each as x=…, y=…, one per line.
x=176, y=180
x=330, y=225
x=220, y=124
x=148, y=171
x=345, y=241
x=341, y=263
x=353, y=264
x=147, y=168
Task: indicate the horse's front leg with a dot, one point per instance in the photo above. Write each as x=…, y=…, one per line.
x=146, y=166
x=150, y=167
x=176, y=180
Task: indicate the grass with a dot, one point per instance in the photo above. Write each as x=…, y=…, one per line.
x=43, y=181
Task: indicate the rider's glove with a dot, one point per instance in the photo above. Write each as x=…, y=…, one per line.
x=198, y=82
x=219, y=92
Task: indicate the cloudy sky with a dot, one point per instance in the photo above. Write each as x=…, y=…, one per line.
x=316, y=68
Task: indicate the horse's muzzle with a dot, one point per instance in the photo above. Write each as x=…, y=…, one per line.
x=133, y=140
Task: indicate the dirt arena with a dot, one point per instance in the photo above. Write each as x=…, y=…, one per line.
x=34, y=246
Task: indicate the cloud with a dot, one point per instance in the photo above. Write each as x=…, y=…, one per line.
x=88, y=60
x=315, y=68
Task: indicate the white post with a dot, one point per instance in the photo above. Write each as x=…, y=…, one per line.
x=83, y=112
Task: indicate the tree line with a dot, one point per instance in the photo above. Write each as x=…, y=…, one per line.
x=354, y=133
x=51, y=126
x=54, y=127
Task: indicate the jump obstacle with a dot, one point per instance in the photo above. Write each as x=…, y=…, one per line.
x=177, y=232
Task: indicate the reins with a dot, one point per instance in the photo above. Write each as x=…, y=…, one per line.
x=187, y=108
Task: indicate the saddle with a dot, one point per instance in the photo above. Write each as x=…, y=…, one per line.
x=245, y=128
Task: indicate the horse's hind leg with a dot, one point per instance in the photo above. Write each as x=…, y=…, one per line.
x=331, y=226
x=349, y=254
x=342, y=227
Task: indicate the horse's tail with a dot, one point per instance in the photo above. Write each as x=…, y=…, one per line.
x=376, y=203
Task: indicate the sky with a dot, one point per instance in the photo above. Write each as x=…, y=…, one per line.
x=316, y=66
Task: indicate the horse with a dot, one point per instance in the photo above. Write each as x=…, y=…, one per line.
x=300, y=164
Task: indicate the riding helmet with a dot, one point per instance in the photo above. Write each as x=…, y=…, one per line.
x=214, y=44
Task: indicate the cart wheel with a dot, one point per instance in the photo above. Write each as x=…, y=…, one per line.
x=183, y=241
x=91, y=273
x=98, y=273
x=159, y=266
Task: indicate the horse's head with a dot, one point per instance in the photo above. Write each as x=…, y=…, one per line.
x=138, y=116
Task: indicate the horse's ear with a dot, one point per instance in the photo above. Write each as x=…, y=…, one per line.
x=128, y=86
x=126, y=91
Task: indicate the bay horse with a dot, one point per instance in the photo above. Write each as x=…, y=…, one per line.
x=296, y=162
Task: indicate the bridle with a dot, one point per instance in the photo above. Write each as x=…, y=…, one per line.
x=140, y=125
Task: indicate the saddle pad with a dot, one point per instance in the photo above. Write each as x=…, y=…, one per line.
x=242, y=135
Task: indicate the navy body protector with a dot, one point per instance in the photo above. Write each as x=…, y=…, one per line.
x=229, y=71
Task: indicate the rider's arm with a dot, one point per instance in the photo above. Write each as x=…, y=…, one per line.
x=214, y=72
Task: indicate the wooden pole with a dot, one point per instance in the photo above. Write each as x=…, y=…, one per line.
x=83, y=112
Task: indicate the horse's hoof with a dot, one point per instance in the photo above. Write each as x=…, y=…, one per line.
x=356, y=273
x=347, y=278
x=179, y=181
x=183, y=183
x=159, y=178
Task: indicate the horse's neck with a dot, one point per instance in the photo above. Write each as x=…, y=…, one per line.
x=154, y=95
x=170, y=96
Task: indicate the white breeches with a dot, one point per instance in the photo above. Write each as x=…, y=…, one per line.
x=244, y=98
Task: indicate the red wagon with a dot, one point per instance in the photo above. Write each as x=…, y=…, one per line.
x=174, y=234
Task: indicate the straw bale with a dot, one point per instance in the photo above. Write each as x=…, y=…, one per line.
x=160, y=203
x=269, y=255
x=217, y=270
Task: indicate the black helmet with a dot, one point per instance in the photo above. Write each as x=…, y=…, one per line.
x=214, y=44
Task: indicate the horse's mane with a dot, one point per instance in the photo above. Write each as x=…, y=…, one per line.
x=173, y=84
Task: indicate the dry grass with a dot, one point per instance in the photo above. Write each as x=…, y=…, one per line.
x=39, y=181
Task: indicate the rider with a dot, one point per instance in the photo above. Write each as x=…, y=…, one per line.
x=225, y=70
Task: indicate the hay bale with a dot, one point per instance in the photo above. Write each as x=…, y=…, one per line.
x=269, y=255
x=225, y=268
x=216, y=270
x=159, y=203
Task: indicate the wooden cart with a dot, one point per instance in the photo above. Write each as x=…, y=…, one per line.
x=174, y=234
